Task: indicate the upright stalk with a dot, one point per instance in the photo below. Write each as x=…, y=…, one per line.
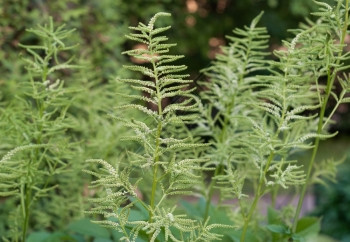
x=330, y=81
x=223, y=134
x=274, y=193
x=211, y=192
x=25, y=209
x=26, y=193
x=156, y=155
x=270, y=158
x=258, y=194
x=155, y=173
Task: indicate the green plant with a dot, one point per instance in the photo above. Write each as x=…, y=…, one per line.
x=257, y=113
x=257, y=120
x=240, y=139
x=160, y=159
x=226, y=97
x=69, y=117
x=34, y=176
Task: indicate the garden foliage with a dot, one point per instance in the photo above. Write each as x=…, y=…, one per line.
x=162, y=143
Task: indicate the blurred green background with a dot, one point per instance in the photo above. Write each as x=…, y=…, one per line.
x=199, y=28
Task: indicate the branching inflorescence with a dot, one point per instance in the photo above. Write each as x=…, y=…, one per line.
x=256, y=112
x=259, y=112
x=35, y=124
x=160, y=157
x=256, y=109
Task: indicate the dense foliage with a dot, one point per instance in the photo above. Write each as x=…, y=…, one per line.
x=143, y=156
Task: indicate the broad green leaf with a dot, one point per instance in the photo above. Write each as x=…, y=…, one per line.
x=44, y=236
x=59, y=237
x=78, y=238
x=322, y=238
x=192, y=209
x=86, y=227
x=228, y=238
x=277, y=228
x=139, y=206
x=273, y=216
x=102, y=240
x=202, y=203
x=250, y=236
x=136, y=215
x=307, y=227
x=38, y=236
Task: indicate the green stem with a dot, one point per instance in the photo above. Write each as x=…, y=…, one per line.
x=211, y=192
x=259, y=191
x=156, y=155
x=274, y=196
x=308, y=176
x=155, y=175
x=26, y=194
x=330, y=82
x=258, y=194
x=218, y=169
x=26, y=212
x=333, y=111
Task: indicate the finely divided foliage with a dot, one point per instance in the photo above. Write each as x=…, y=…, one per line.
x=35, y=123
x=226, y=97
x=160, y=155
x=256, y=112
x=257, y=121
x=256, y=109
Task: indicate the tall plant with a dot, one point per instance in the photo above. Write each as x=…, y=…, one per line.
x=226, y=97
x=274, y=114
x=257, y=114
x=35, y=124
x=159, y=155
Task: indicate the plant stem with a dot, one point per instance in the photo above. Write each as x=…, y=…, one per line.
x=26, y=194
x=330, y=81
x=155, y=174
x=258, y=194
x=218, y=169
x=26, y=212
x=274, y=196
x=211, y=192
x=156, y=155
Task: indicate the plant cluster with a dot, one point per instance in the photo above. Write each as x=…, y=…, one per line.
x=256, y=114
x=265, y=111
x=35, y=124
x=236, y=142
x=46, y=126
x=163, y=157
